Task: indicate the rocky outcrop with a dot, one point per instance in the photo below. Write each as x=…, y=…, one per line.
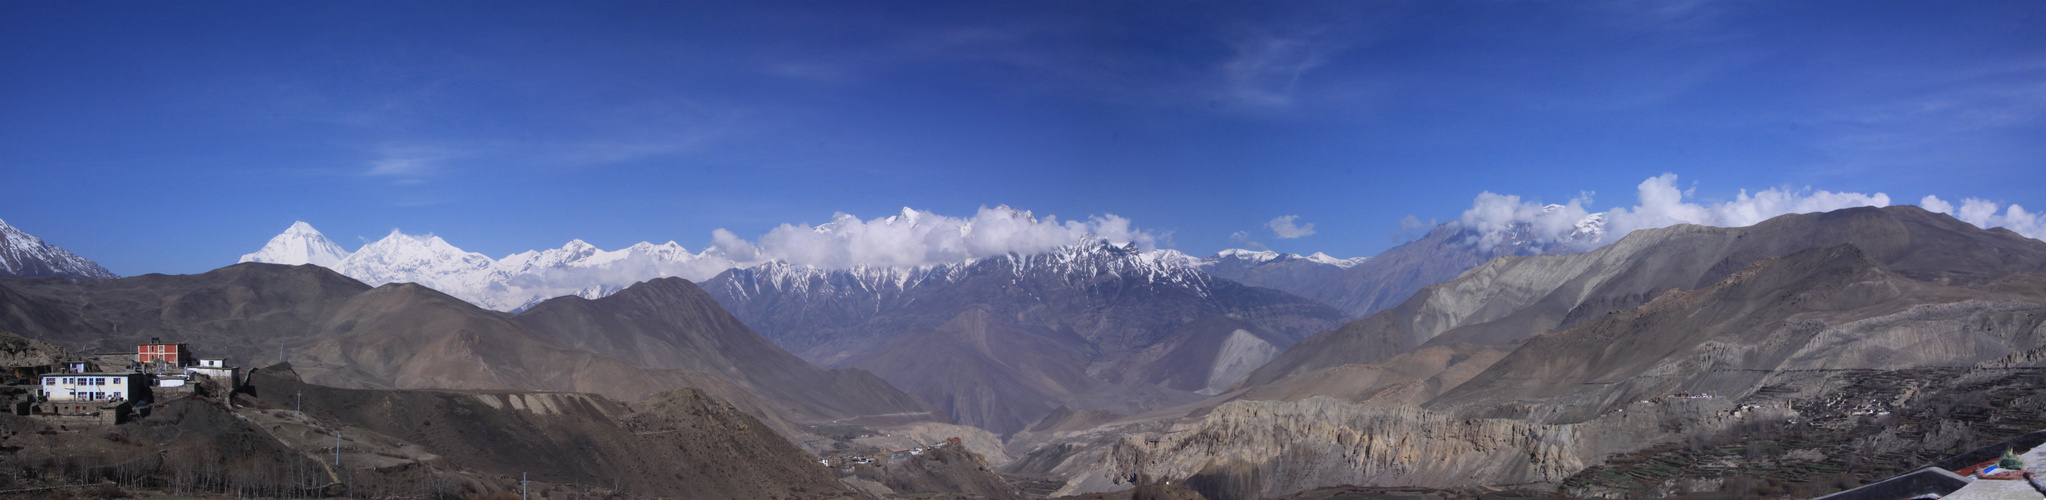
x=16, y=350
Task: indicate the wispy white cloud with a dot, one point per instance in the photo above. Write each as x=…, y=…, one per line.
x=1243, y=238
x=1949, y=111
x=1412, y=228
x=1001, y=44
x=408, y=164
x=1266, y=70
x=1285, y=229
x=400, y=167
x=1691, y=20
x=1662, y=204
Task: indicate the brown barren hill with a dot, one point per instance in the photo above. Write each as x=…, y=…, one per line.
x=989, y=374
x=682, y=443
x=339, y=332
x=1510, y=299
x=1822, y=309
x=669, y=323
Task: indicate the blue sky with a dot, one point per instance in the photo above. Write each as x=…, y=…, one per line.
x=173, y=137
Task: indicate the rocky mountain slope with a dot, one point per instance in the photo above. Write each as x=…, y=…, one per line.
x=1514, y=298
x=1643, y=354
x=1094, y=326
x=1361, y=286
x=669, y=323
x=1292, y=273
x=1819, y=310
x=340, y=332
x=22, y=254
x=1756, y=346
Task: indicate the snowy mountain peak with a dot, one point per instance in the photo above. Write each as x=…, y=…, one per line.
x=908, y=216
x=299, y=244
x=509, y=284
x=1342, y=263
x=579, y=247
x=1247, y=254
x=1592, y=228
x=22, y=254
x=665, y=251
x=1267, y=257
x=1092, y=245
x=400, y=244
x=423, y=259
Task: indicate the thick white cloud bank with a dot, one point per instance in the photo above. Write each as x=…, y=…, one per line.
x=1497, y=217
x=913, y=238
x=1660, y=203
x=1984, y=213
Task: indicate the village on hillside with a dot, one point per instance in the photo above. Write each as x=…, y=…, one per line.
x=112, y=388
x=882, y=456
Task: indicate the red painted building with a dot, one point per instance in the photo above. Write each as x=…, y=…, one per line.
x=170, y=354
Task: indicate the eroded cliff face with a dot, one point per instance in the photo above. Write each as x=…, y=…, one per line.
x=1258, y=449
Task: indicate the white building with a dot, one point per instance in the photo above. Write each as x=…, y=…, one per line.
x=92, y=386
x=217, y=369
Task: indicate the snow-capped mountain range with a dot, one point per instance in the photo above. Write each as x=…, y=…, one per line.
x=508, y=284
x=1090, y=259
x=1078, y=318
x=22, y=254
x=578, y=268
x=1258, y=257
